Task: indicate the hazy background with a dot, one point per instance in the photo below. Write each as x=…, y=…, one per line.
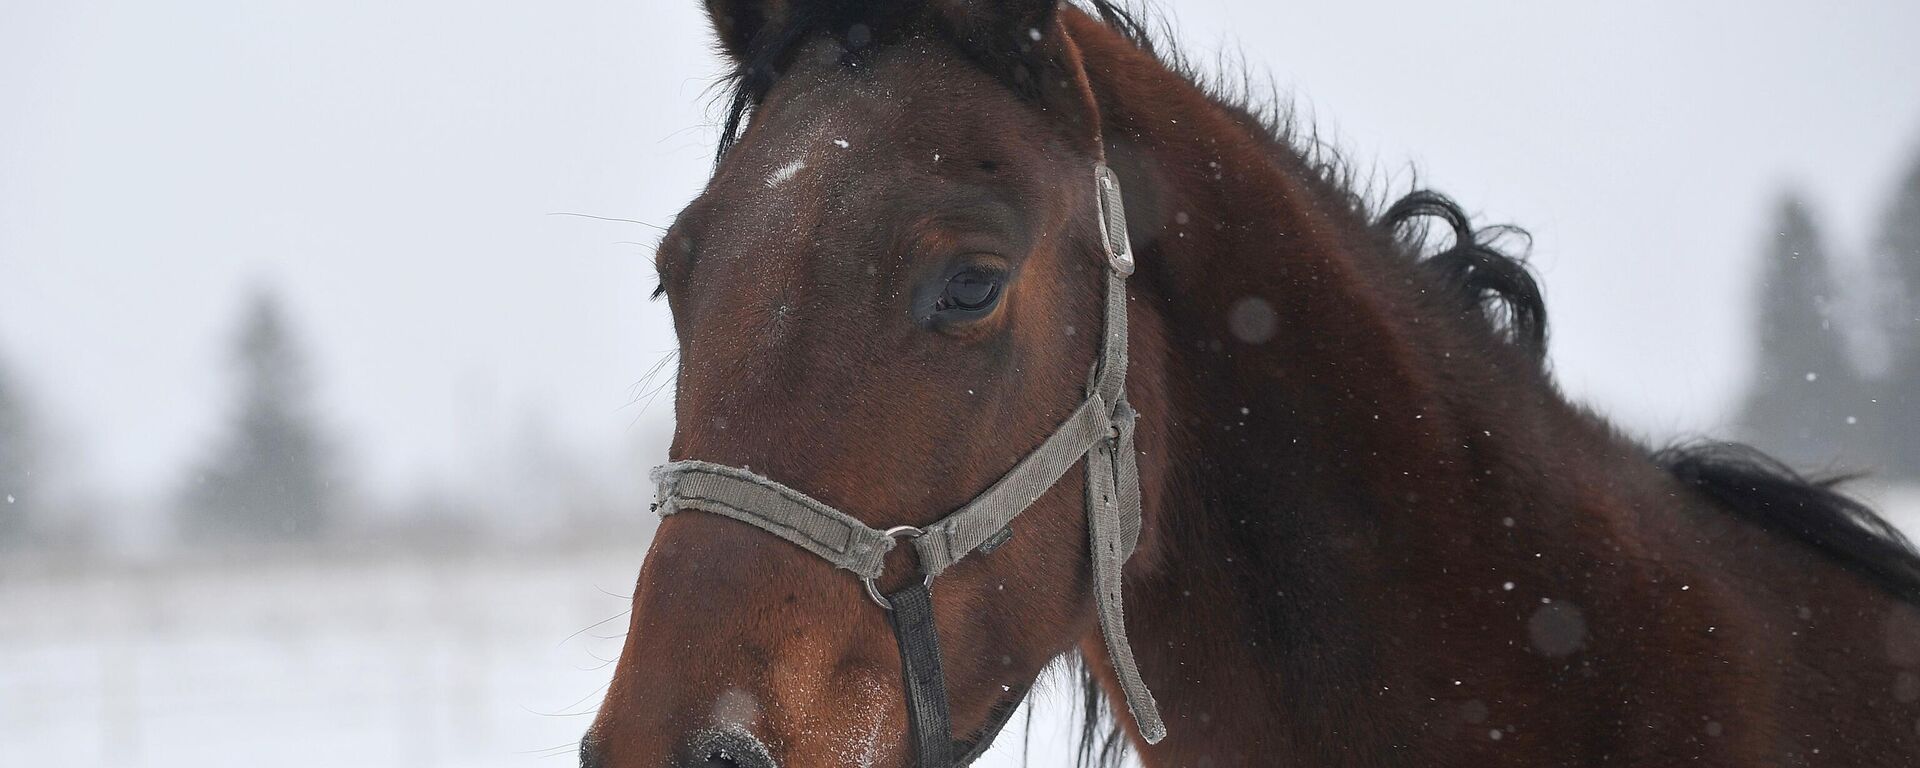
x=390, y=171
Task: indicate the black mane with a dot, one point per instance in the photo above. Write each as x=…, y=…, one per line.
x=1473, y=267
x=1765, y=492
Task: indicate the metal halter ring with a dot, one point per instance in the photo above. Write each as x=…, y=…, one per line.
x=897, y=533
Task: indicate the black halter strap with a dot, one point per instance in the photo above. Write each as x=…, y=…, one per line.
x=927, y=714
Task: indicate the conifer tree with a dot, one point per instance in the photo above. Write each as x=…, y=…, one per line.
x=1897, y=250
x=1804, y=384
x=268, y=477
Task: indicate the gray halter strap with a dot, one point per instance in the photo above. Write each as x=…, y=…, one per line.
x=1101, y=431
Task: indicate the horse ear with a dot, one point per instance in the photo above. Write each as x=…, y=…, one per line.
x=737, y=22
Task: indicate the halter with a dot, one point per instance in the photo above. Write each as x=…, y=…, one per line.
x=1101, y=431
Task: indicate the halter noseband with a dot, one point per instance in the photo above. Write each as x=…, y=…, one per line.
x=1100, y=431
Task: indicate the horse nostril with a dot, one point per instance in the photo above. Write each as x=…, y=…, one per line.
x=729, y=748
x=589, y=751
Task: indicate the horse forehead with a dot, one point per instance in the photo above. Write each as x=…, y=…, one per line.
x=909, y=92
x=811, y=154
x=825, y=165
x=815, y=197
x=804, y=206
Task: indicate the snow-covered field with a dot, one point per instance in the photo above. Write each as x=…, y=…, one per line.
x=494, y=660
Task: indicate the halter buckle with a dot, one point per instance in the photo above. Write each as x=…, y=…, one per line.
x=897, y=533
x=1113, y=221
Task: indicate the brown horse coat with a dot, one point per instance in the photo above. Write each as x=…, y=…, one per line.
x=1376, y=532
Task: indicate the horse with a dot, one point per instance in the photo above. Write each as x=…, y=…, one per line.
x=1371, y=530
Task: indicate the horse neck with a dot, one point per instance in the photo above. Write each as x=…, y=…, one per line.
x=1326, y=427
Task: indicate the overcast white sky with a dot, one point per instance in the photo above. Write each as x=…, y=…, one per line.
x=390, y=167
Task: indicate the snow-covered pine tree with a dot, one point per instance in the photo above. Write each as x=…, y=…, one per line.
x=269, y=476
x=1805, y=386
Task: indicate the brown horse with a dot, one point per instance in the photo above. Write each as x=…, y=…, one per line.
x=1374, y=531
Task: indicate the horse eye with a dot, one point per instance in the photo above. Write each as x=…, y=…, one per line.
x=971, y=290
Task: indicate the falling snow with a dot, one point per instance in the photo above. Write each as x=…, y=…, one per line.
x=1557, y=629
x=1253, y=320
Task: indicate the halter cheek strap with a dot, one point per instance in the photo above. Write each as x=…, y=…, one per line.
x=1100, y=431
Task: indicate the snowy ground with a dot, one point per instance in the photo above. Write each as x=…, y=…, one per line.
x=465, y=662
x=418, y=663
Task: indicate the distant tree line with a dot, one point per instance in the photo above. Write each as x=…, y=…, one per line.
x=1811, y=400
x=267, y=477
x=271, y=473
